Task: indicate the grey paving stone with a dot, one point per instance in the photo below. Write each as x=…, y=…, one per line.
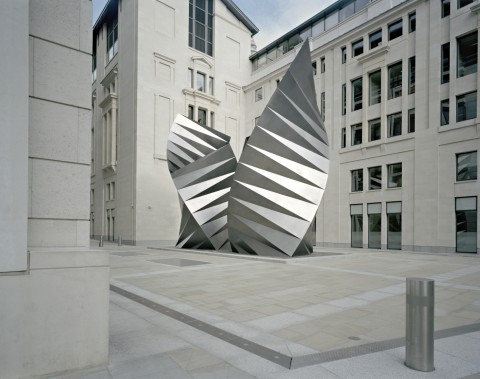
x=221, y=371
x=147, y=365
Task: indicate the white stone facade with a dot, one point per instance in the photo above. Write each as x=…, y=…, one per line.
x=54, y=302
x=151, y=72
x=153, y=60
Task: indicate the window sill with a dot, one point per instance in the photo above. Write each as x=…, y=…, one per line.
x=465, y=181
x=460, y=124
x=200, y=94
x=393, y=188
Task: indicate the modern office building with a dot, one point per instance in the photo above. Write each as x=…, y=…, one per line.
x=396, y=82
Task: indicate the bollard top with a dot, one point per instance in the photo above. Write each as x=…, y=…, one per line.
x=419, y=280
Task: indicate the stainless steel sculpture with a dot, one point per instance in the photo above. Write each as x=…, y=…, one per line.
x=283, y=170
x=202, y=164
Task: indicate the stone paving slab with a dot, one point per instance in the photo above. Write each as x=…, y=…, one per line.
x=339, y=303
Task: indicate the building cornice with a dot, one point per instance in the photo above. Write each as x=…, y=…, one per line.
x=202, y=95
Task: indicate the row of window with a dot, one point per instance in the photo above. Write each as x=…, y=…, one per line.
x=446, y=6
x=325, y=22
x=465, y=217
x=203, y=117
x=394, y=177
x=200, y=83
x=466, y=108
x=395, y=30
x=466, y=169
x=394, y=128
x=374, y=217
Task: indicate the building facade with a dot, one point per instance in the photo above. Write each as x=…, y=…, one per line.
x=150, y=65
x=396, y=82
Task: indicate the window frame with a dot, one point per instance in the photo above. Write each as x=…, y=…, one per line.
x=412, y=22
x=391, y=126
x=465, y=221
x=357, y=98
x=411, y=120
x=356, y=177
x=357, y=48
x=377, y=42
x=395, y=91
x=371, y=178
x=445, y=63
x=354, y=130
x=198, y=86
x=258, y=94
x=344, y=54
x=474, y=107
x=475, y=159
x=445, y=5
x=391, y=174
x=442, y=114
x=390, y=31
x=390, y=215
x=374, y=98
x=411, y=75
x=377, y=122
x=196, y=26
x=471, y=68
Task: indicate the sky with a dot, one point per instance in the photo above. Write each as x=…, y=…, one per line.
x=273, y=17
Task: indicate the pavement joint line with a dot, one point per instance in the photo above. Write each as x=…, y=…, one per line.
x=281, y=359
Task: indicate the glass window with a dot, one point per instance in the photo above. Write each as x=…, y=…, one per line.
x=466, y=220
x=411, y=75
x=357, y=48
x=357, y=180
x=394, y=221
x=394, y=175
x=258, y=94
x=271, y=55
x=190, y=112
x=318, y=27
x=314, y=67
x=357, y=94
x=467, y=106
x=445, y=112
x=202, y=116
x=210, y=85
x=331, y=20
x=445, y=8
x=375, y=39
x=322, y=105
x=462, y=3
x=305, y=34
x=467, y=166
x=344, y=99
x=375, y=130
x=200, y=30
x=356, y=216
x=94, y=65
x=344, y=54
x=356, y=134
x=411, y=120
x=112, y=38
x=412, y=22
x=394, y=122
x=467, y=54
x=395, y=80
x=375, y=80
x=200, y=82
x=445, y=63
x=344, y=137
x=375, y=178
x=360, y=4
x=347, y=11
x=322, y=65
x=293, y=41
x=374, y=211
x=395, y=30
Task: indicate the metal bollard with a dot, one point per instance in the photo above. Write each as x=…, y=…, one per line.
x=419, y=324
x=119, y=240
x=100, y=243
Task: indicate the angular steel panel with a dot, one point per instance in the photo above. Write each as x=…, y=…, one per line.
x=282, y=173
x=202, y=164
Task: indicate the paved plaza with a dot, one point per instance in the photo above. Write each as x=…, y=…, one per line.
x=336, y=314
